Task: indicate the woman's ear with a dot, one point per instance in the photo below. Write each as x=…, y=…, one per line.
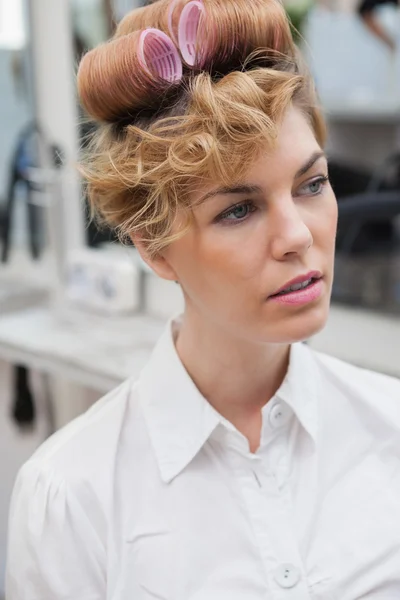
x=159, y=263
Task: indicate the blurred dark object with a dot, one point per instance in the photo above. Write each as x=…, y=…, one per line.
x=23, y=409
x=367, y=269
x=347, y=180
x=367, y=6
x=366, y=10
x=367, y=214
x=369, y=281
x=96, y=236
x=23, y=159
x=366, y=222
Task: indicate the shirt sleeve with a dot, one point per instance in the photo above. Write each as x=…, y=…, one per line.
x=54, y=550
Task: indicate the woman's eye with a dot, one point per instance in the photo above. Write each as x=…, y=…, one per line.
x=237, y=213
x=315, y=187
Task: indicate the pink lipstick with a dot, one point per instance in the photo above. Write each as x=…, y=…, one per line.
x=301, y=290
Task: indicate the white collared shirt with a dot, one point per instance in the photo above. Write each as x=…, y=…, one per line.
x=153, y=495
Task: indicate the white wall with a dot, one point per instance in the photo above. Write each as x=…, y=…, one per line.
x=348, y=61
x=355, y=71
x=121, y=7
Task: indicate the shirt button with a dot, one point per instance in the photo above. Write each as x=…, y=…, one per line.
x=279, y=415
x=287, y=576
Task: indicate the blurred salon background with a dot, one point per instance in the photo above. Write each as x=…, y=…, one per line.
x=78, y=311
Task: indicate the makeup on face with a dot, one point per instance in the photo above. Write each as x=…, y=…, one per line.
x=302, y=290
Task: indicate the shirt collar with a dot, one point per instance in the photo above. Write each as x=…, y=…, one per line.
x=179, y=418
x=300, y=387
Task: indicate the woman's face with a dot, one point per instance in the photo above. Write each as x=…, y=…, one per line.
x=248, y=243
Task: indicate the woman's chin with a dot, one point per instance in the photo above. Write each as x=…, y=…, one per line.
x=299, y=327
x=305, y=332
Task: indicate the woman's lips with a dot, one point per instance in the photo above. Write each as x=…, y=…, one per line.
x=299, y=280
x=303, y=296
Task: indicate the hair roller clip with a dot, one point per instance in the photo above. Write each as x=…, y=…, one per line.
x=128, y=73
x=158, y=54
x=170, y=20
x=224, y=41
x=188, y=32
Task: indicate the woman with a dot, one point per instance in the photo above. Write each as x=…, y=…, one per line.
x=241, y=465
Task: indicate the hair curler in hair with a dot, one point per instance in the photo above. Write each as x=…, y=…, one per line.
x=189, y=30
x=213, y=34
x=229, y=32
x=216, y=34
x=128, y=73
x=178, y=18
x=159, y=55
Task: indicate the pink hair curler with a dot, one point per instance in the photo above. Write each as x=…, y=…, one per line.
x=188, y=30
x=158, y=54
x=171, y=10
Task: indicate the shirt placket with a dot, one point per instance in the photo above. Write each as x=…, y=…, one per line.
x=263, y=481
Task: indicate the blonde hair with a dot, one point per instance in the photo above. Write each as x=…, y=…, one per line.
x=159, y=140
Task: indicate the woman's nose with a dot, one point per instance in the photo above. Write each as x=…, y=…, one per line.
x=290, y=236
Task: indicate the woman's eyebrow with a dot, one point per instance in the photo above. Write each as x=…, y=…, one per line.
x=310, y=163
x=253, y=189
x=234, y=189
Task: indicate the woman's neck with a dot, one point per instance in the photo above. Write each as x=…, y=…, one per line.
x=236, y=377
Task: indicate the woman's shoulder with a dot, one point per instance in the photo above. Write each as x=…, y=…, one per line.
x=356, y=372
x=379, y=389
x=87, y=448
x=64, y=493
